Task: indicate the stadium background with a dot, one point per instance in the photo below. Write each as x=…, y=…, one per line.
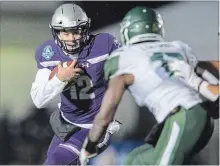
x=24, y=130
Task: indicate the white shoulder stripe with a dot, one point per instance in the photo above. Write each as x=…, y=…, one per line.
x=49, y=63
x=98, y=59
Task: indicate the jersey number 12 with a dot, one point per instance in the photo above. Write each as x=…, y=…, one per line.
x=83, y=89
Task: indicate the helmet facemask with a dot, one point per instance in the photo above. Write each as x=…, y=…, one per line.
x=81, y=33
x=71, y=19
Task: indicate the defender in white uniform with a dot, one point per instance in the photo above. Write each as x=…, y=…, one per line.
x=151, y=69
x=152, y=86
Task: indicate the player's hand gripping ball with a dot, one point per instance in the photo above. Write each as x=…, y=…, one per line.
x=63, y=64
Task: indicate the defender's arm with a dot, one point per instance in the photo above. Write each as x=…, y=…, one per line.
x=116, y=88
x=113, y=95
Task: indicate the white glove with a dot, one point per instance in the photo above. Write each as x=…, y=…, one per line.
x=184, y=72
x=113, y=127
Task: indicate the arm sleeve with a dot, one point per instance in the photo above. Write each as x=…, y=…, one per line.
x=44, y=91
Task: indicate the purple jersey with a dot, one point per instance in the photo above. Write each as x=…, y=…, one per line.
x=80, y=102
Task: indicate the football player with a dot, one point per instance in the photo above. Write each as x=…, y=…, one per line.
x=149, y=68
x=81, y=85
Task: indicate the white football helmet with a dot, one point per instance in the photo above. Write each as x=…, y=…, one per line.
x=70, y=17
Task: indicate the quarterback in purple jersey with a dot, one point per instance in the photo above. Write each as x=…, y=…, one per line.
x=80, y=100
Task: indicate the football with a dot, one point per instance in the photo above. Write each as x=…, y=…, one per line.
x=55, y=70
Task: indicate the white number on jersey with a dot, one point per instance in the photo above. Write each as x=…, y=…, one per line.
x=165, y=58
x=82, y=89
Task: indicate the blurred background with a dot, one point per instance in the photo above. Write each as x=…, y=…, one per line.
x=25, y=133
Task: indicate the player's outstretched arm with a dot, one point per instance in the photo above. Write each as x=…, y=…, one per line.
x=192, y=60
x=185, y=72
x=116, y=88
x=207, y=75
x=112, y=97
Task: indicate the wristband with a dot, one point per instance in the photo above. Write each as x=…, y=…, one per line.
x=90, y=146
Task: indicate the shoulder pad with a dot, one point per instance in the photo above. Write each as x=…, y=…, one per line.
x=107, y=42
x=46, y=52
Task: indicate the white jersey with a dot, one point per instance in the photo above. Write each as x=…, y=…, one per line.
x=153, y=86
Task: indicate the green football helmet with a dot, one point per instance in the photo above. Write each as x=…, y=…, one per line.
x=141, y=24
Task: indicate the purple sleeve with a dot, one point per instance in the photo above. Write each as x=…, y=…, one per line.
x=44, y=56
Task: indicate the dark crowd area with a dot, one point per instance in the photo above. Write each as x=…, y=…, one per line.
x=26, y=141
